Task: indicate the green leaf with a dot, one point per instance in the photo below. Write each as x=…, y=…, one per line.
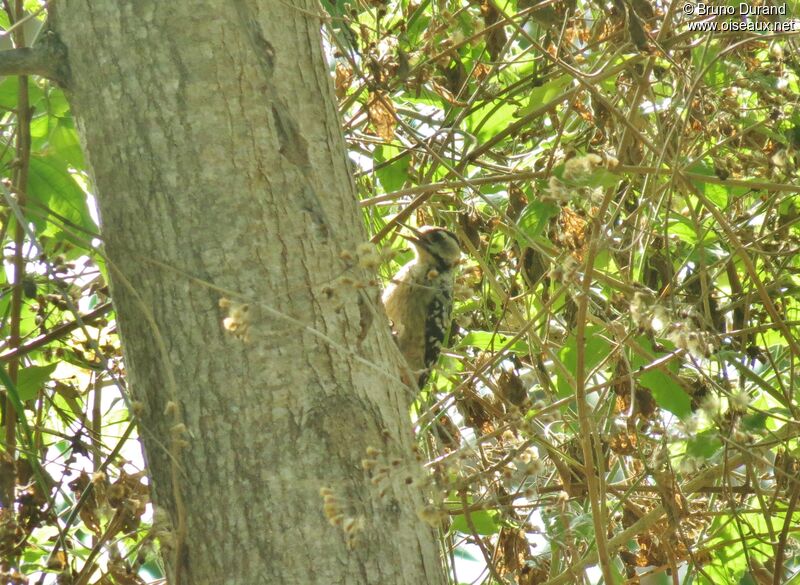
x=490, y=119
x=338, y=8
x=595, y=349
x=57, y=104
x=489, y=341
x=704, y=445
x=715, y=193
x=667, y=393
x=756, y=421
x=52, y=186
x=9, y=89
x=706, y=55
x=40, y=127
x=64, y=141
x=545, y=94
x=535, y=217
x=31, y=380
x=394, y=174
x=8, y=93
x=482, y=520
x=682, y=228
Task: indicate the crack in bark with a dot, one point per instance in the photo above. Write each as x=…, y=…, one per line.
x=292, y=144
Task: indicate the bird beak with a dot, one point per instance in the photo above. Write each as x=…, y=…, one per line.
x=415, y=238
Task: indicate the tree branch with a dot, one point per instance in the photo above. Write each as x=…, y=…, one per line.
x=55, y=333
x=48, y=58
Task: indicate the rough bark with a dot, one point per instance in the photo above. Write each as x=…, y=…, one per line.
x=220, y=172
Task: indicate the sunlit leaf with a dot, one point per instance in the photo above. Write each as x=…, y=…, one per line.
x=483, y=521
x=31, y=380
x=52, y=186
x=545, y=93
x=486, y=340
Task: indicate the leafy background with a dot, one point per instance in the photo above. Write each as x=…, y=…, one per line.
x=618, y=400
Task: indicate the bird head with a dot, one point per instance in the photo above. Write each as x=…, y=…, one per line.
x=436, y=244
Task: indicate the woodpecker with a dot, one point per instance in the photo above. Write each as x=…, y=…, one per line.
x=419, y=298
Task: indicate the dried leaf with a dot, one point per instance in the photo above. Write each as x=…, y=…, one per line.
x=343, y=80
x=382, y=115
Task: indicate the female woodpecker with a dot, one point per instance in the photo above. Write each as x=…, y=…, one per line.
x=419, y=298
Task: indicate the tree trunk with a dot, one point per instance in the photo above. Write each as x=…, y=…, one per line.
x=220, y=173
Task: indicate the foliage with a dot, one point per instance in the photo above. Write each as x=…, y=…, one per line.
x=626, y=192
x=618, y=396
